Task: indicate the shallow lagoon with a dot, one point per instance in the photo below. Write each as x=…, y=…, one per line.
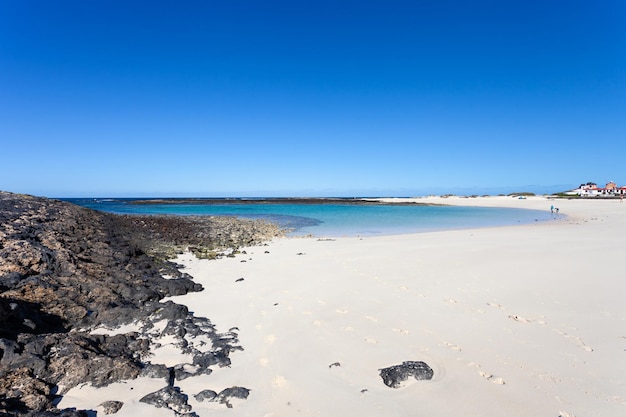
x=335, y=219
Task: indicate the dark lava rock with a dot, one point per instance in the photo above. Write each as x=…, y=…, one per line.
x=156, y=371
x=224, y=396
x=206, y=394
x=168, y=397
x=395, y=375
x=65, y=270
x=233, y=392
x=111, y=407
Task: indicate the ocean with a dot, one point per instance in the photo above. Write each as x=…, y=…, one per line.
x=327, y=219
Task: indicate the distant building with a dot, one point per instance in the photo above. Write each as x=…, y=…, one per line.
x=591, y=189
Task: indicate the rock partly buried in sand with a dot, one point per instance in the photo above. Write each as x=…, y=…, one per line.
x=224, y=396
x=168, y=397
x=207, y=394
x=395, y=375
x=111, y=407
x=232, y=392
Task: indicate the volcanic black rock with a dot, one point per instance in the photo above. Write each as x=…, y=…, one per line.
x=168, y=397
x=393, y=376
x=65, y=270
x=224, y=396
x=111, y=407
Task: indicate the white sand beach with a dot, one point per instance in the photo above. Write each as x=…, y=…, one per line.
x=516, y=321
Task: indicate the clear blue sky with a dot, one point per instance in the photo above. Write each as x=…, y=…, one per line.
x=291, y=98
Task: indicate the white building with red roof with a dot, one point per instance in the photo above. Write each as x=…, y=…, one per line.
x=591, y=189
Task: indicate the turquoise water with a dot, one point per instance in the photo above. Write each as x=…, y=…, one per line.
x=336, y=219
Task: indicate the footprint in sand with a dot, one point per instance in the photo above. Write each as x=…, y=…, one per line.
x=576, y=340
x=279, y=381
x=450, y=301
x=317, y=323
x=496, y=305
x=401, y=331
x=402, y=287
x=550, y=378
x=371, y=341
x=340, y=311
x=264, y=361
x=518, y=318
x=491, y=378
x=270, y=339
x=452, y=346
x=372, y=319
x=348, y=328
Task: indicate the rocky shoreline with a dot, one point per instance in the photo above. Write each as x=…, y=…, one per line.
x=66, y=270
x=373, y=201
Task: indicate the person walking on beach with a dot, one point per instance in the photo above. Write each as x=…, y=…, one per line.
x=552, y=209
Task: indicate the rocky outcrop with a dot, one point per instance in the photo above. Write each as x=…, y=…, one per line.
x=65, y=270
x=206, y=236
